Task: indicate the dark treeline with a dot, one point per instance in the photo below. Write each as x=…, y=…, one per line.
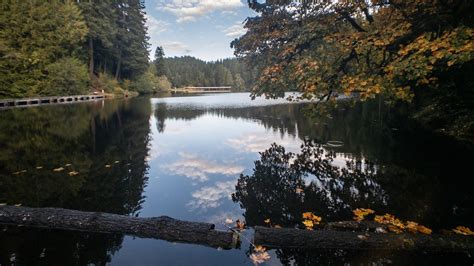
x=190, y=71
x=117, y=43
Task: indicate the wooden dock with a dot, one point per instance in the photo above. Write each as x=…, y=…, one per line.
x=25, y=102
x=202, y=89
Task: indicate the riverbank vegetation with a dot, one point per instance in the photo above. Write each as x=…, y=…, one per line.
x=72, y=47
x=417, y=53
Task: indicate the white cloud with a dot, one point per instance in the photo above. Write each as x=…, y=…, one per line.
x=189, y=10
x=155, y=26
x=176, y=47
x=260, y=142
x=235, y=31
x=191, y=166
x=212, y=196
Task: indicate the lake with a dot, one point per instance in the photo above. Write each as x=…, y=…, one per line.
x=183, y=157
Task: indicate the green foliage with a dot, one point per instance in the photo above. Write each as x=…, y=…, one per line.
x=159, y=62
x=150, y=83
x=39, y=38
x=67, y=76
x=34, y=35
x=190, y=71
x=107, y=83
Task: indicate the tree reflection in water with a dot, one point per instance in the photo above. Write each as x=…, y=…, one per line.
x=284, y=185
x=88, y=137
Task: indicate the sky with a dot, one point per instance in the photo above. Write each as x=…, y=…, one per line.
x=199, y=28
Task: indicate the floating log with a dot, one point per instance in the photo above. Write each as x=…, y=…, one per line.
x=163, y=227
x=334, y=239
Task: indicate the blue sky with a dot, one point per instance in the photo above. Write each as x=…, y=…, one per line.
x=199, y=28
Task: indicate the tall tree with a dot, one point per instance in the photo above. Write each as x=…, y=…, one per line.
x=159, y=61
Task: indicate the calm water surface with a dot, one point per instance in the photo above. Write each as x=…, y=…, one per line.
x=183, y=157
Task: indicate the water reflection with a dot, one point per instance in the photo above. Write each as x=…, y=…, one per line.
x=80, y=138
x=194, y=150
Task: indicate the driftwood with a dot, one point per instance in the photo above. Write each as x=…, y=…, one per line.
x=338, y=239
x=163, y=227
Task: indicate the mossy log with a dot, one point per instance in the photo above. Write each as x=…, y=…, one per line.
x=163, y=227
x=353, y=240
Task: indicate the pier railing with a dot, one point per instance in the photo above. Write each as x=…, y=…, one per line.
x=6, y=103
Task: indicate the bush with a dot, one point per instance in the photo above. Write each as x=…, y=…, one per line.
x=108, y=84
x=150, y=83
x=67, y=76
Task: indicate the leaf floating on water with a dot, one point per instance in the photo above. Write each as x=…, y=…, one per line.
x=258, y=258
x=59, y=169
x=463, y=230
x=360, y=213
x=73, y=173
x=228, y=221
x=68, y=164
x=277, y=226
x=107, y=166
x=259, y=255
x=39, y=167
x=116, y=162
x=267, y=221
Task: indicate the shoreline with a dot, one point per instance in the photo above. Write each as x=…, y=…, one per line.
x=56, y=100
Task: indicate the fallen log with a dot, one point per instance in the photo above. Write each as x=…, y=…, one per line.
x=163, y=227
x=334, y=239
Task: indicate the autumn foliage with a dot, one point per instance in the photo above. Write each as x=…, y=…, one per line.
x=365, y=48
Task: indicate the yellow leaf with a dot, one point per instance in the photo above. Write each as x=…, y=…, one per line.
x=59, y=169
x=360, y=213
x=450, y=63
x=267, y=221
x=308, y=223
x=463, y=230
x=39, y=167
x=68, y=164
x=424, y=230
x=73, y=173
x=259, y=248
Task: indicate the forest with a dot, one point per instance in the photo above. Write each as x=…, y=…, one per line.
x=190, y=71
x=74, y=47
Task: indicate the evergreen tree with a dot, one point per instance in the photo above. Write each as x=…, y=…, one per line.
x=159, y=61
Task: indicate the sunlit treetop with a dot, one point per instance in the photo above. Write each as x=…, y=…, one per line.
x=324, y=47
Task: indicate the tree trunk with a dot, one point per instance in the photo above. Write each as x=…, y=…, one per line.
x=162, y=227
x=119, y=62
x=332, y=239
x=91, y=57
